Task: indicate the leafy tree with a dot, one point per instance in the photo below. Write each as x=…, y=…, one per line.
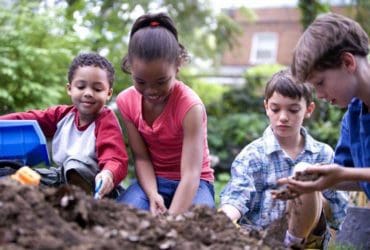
x=204, y=33
x=362, y=13
x=310, y=9
x=40, y=38
x=36, y=49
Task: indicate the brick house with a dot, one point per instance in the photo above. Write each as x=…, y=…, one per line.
x=270, y=38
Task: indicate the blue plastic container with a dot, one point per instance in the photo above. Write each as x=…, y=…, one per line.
x=22, y=141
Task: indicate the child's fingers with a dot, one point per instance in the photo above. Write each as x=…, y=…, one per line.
x=106, y=179
x=107, y=186
x=283, y=181
x=315, y=169
x=153, y=209
x=303, y=186
x=163, y=209
x=157, y=206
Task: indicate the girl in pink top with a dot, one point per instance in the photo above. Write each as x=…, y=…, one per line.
x=166, y=123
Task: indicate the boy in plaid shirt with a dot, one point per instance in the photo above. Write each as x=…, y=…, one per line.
x=247, y=197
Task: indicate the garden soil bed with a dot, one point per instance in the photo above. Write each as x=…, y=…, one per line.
x=66, y=218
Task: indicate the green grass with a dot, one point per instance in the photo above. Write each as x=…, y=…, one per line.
x=220, y=181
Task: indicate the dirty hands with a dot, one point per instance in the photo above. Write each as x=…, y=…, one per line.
x=327, y=176
x=157, y=206
x=106, y=186
x=232, y=212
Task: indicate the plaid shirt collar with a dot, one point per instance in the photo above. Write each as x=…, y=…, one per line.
x=272, y=145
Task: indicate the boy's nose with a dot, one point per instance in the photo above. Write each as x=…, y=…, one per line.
x=283, y=116
x=88, y=92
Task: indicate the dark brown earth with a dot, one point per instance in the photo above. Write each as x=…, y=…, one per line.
x=66, y=218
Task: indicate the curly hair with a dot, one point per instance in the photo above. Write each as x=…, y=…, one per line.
x=91, y=59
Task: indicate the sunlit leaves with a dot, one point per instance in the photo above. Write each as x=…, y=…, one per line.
x=36, y=49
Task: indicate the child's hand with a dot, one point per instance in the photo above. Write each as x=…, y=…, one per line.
x=284, y=193
x=328, y=175
x=232, y=212
x=300, y=174
x=157, y=205
x=107, y=185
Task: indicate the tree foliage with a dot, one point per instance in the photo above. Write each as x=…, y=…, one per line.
x=204, y=33
x=40, y=38
x=310, y=9
x=36, y=49
x=362, y=13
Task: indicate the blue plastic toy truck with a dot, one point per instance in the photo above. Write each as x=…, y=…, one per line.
x=21, y=143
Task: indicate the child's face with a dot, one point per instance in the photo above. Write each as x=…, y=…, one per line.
x=286, y=115
x=89, y=91
x=154, y=79
x=333, y=85
x=337, y=86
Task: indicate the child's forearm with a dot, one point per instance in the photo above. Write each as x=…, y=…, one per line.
x=347, y=179
x=146, y=177
x=347, y=186
x=350, y=177
x=184, y=195
x=357, y=174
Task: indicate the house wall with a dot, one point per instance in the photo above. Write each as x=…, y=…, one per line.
x=285, y=22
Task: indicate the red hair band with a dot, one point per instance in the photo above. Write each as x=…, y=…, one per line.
x=154, y=24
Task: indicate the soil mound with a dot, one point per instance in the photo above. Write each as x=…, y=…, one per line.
x=66, y=218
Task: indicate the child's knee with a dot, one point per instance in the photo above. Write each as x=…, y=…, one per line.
x=134, y=196
x=205, y=195
x=74, y=178
x=308, y=203
x=80, y=174
x=304, y=213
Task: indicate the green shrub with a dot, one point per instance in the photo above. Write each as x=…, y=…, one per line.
x=228, y=135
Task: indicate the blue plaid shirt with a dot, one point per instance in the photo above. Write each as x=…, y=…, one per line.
x=257, y=168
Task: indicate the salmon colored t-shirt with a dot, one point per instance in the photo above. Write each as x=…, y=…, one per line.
x=164, y=138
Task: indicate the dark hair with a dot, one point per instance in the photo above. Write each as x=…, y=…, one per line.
x=285, y=84
x=154, y=36
x=91, y=59
x=324, y=41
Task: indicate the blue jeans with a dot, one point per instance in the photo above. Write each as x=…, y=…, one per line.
x=136, y=197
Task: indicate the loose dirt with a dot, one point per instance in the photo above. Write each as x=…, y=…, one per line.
x=67, y=218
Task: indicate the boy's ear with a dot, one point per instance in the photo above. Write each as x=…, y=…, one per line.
x=349, y=61
x=310, y=109
x=265, y=104
x=110, y=93
x=68, y=87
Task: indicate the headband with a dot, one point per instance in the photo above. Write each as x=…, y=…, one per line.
x=154, y=24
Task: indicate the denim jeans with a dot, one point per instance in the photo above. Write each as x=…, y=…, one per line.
x=136, y=197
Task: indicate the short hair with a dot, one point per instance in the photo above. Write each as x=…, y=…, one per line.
x=322, y=44
x=91, y=59
x=286, y=85
x=154, y=36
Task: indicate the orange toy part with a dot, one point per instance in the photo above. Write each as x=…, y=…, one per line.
x=26, y=175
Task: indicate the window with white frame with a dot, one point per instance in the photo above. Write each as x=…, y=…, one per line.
x=264, y=48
